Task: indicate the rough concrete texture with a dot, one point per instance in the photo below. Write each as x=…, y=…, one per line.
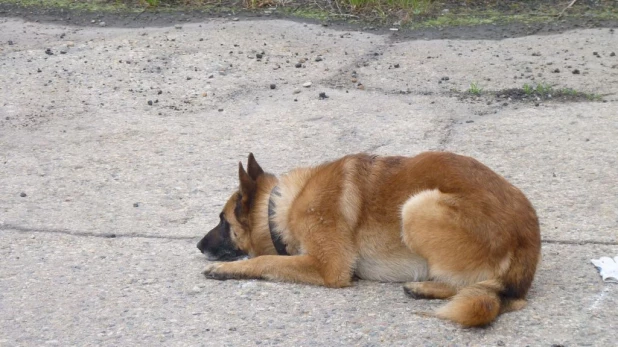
x=118, y=146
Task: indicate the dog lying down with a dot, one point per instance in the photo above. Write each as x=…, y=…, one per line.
x=444, y=223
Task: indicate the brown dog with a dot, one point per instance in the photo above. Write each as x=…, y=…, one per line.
x=445, y=223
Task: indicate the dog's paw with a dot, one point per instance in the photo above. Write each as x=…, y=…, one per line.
x=214, y=271
x=211, y=271
x=410, y=290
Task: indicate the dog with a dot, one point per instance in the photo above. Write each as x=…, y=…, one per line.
x=444, y=223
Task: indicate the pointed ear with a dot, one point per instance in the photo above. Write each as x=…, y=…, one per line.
x=253, y=167
x=248, y=186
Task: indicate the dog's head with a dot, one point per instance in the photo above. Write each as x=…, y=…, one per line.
x=231, y=238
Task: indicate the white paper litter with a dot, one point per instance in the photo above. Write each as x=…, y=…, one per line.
x=608, y=268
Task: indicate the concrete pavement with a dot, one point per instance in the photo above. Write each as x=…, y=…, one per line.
x=118, y=147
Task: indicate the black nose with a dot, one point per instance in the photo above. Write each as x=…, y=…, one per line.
x=200, y=246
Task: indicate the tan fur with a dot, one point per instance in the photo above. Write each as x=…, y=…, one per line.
x=437, y=217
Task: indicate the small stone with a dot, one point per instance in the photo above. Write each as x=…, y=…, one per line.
x=10, y=43
x=537, y=104
x=149, y=102
x=159, y=92
x=445, y=78
x=259, y=55
x=612, y=54
x=298, y=65
x=220, y=110
x=354, y=80
x=361, y=86
x=307, y=84
x=23, y=195
x=556, y=71
x=296, y=91
x=396, y=66
x=178, y=26
x=111, y=236
x=322, y=96
x=102, y=24
x=318, y=58
x=136, y=204
x=235, y=19
x=49, y=52
x=273, y=86
x=576, y=72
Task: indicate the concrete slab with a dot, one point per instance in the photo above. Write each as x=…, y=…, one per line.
x=67, y=290
x=440, y=66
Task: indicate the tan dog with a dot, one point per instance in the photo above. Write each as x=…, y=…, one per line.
x=445, y=223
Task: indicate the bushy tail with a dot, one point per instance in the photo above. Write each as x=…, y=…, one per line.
x=478, y=304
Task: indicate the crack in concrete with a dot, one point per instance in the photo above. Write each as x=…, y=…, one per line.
x=20, y=229
x=580, y=242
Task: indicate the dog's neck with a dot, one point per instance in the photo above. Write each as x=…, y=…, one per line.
x=275, y=234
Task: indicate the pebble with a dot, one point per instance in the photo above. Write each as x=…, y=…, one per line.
x=612, y=54
x=49, y=52
x=178, y=26
x=136, y=204
x=307, y=84
x=298, y=65
x=576, y=72
x=556, y=71
x=23, y=195
x=273, y=86
x=318, y=58
x=296, y=91
x=102, y=24
x=149, y=102
x=323, y=96
x=259, y=55
x=10, y=43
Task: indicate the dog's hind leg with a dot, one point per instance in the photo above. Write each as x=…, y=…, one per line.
x=429, y=290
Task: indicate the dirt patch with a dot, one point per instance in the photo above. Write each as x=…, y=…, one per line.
x=527, y=96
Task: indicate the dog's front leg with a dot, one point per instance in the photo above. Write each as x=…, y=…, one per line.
x=297, y=269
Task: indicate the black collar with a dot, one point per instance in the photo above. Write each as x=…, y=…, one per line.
x=275, y=234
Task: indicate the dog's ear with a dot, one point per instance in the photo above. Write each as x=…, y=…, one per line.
x=248, y=186
x=253, y=167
